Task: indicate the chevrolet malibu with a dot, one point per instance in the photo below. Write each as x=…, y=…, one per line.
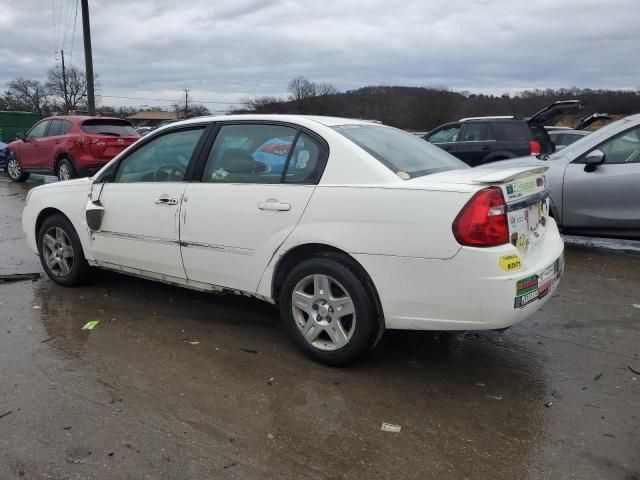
x=350, y=227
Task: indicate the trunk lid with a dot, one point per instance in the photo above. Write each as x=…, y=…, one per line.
x=554, y=110
x=107, y=147
x=525, y=192
x=583, y=123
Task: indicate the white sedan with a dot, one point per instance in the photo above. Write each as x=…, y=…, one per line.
x=351, y=227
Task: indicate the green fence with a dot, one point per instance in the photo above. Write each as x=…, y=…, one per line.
x=13, y=122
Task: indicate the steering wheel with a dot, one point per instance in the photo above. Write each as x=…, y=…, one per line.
x=168, y=172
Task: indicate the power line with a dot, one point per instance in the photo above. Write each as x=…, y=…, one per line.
x=73, y=37
x=67, y=25
x=170, y=100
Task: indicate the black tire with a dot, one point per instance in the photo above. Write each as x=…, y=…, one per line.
x=66, y=170
x=364, y=327
x=78, y=270
x=14, y=170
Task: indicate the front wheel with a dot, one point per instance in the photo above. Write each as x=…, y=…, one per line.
x=61, y=252
x=329, y=311
x=14, y=170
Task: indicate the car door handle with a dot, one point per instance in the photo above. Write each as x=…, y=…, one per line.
x=274, y=205
x=166, y=200
x=488, y=147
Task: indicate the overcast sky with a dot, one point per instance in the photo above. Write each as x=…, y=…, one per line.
x=224, y=50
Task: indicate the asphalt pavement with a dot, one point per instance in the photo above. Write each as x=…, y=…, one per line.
x=176, y=384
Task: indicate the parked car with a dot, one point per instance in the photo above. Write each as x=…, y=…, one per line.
x=3, y=157
x=142, y=131
x=68, y=146
x=566, y=136
x=594, y=182
x=480, y=140
x=563, y=136
x=362, y=228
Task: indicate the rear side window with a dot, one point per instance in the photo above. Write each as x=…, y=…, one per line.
x=406, y=155
x=476, y=132
x=513, y=131
x=305, y=164
x=66, y=126
x=251, y=153
x=116, y=128
x=54, y=128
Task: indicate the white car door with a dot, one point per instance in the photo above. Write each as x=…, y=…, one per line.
x=140, y=226
x=608, y=195
x=256, y=183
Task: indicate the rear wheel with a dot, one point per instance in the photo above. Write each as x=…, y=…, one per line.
x=61, y=252
x=14, y=170
x=66, y=170
x=329, y=311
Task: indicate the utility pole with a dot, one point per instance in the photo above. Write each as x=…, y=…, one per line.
x=186, y=102
x=88, y=57
x=64, y=86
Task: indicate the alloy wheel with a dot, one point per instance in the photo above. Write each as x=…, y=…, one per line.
x=323, y=312
x=57, y=251
x=63, y=172
x=13, y=168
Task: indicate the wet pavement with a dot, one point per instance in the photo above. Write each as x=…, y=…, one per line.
x=175, y=384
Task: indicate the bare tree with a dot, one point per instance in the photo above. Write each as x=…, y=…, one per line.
x=301, y=93
x=27, y=94
x=264, y=104
x=325, y=96
x=76, y=91
x=198, y=110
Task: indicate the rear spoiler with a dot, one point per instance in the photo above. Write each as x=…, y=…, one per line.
x=509, y=174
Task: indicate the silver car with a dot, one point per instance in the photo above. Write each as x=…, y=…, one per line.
x=594, y=183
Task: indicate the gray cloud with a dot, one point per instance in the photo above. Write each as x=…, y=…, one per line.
x=225, y=50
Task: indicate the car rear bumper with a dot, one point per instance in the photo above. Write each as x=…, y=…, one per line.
x=470, y=291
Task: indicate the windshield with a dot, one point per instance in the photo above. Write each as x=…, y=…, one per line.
x=116, y=128
x=406, y=155
x=577, y=148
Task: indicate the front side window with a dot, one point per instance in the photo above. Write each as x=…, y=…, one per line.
x=406, y=155
x=163, y=159
x=254, y=153
x=624, y=148
x=446, y=135
x=38, y=130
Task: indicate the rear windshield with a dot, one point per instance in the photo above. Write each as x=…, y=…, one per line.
x=116, y=128
x=403, y=153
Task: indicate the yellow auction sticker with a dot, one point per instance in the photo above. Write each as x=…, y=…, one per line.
x=509, y=263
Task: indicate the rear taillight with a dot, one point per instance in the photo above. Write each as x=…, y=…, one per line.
x=483, y=220
x=87, y=140
x=534, y=147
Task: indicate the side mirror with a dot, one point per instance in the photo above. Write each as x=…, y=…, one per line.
x=593, y=159
x=20, y=136
x=94, y=211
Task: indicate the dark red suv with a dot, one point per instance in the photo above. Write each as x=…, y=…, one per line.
x=68, y=147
